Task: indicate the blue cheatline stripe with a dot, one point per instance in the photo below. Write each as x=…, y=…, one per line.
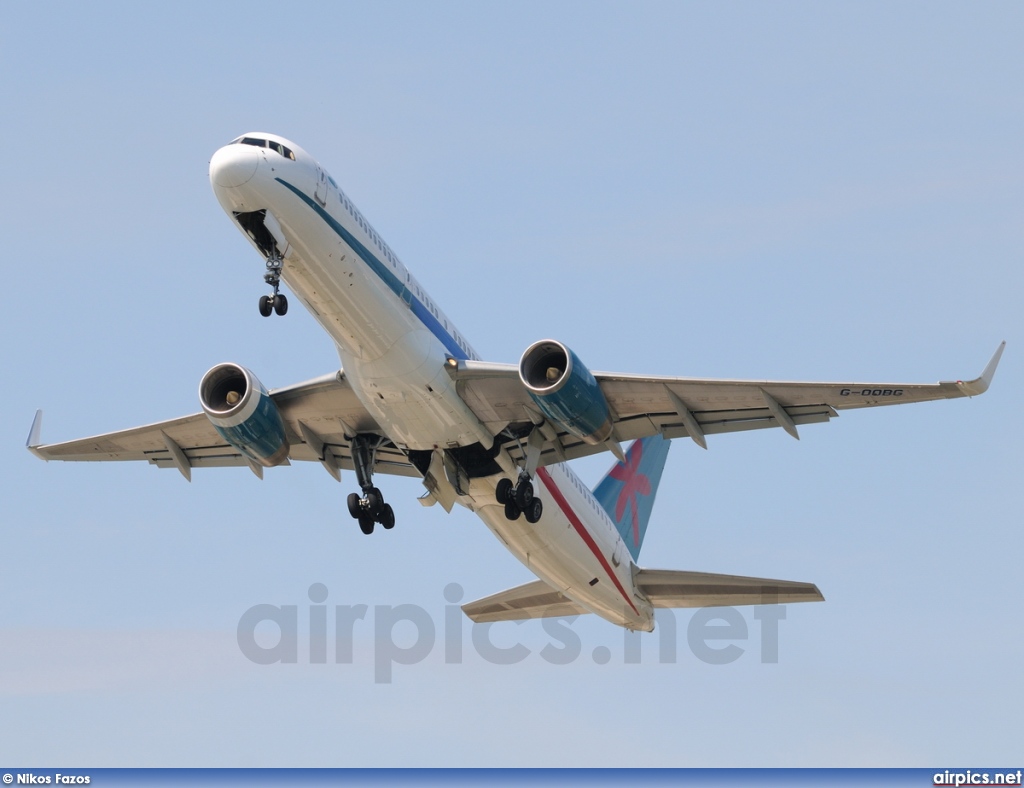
x=396, y=285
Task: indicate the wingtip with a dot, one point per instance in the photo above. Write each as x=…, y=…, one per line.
x=979, y=385
x=34, y=440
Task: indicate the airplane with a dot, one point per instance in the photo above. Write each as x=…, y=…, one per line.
x=412, y=398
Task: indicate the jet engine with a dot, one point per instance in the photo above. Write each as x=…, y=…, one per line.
x=565, y=391
x=242, y=411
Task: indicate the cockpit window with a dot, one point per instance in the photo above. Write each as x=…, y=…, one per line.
x=286, y=152
x=259, y=143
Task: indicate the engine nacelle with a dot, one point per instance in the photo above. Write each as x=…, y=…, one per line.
x=565, y=391
x=242, y=411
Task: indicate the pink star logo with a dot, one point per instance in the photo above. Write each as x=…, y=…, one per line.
x=635, y=484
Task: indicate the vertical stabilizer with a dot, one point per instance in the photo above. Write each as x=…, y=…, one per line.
x=627, y=491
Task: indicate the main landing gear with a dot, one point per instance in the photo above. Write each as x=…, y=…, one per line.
x=519, y=499
x=276, y=302
x=370, y=507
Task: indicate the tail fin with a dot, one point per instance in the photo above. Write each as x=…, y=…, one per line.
x=627, y=491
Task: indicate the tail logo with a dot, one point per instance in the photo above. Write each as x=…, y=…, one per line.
x=634, y=484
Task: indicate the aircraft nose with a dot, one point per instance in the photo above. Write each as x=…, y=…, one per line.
x=234, y=165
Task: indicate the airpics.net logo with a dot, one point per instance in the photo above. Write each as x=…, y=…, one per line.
x=976, y=778
x=407, y=634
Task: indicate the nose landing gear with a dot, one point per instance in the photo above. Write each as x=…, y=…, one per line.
x=276, y=302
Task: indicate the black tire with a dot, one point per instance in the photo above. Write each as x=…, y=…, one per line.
x=366, y=524
x=534, y=511
x=512, y=511
x=375, y=502
x=503, y=491
x=280, y=305
x=266, y=307
x=387, y=517
x=353, y=505
x=524, y=494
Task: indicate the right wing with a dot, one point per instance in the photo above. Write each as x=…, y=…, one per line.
x=685, y=407
x=320, y=416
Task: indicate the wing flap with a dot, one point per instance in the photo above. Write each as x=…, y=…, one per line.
x=680, y=589
x=533, y=600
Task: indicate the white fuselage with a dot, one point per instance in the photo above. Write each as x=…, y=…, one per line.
x=394, y=342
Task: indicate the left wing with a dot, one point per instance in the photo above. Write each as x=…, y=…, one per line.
x=686, y=407
x=319, y=415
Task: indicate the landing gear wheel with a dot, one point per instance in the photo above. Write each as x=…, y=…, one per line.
x=266, y=307
x=534, y=511
x=512, y=511
x=368, y=507
x=353, y=505
x=374, y=502
x=503, y=491
x=524, y=494
x=280, y=305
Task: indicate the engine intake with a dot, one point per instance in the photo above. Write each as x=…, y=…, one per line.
x=242, y=412
x=565, y=391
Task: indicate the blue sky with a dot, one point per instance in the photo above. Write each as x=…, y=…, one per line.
x=775, y=191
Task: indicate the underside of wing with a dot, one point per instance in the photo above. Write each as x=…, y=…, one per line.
x=320, y=418
x=684, y=407
x=193, y=435
x=677, y=589
x=533, y=600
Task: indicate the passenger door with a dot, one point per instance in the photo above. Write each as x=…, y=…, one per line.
x=321, y=185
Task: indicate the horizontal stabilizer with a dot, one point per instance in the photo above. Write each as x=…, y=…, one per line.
x=672, y=588
x=533, y=600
